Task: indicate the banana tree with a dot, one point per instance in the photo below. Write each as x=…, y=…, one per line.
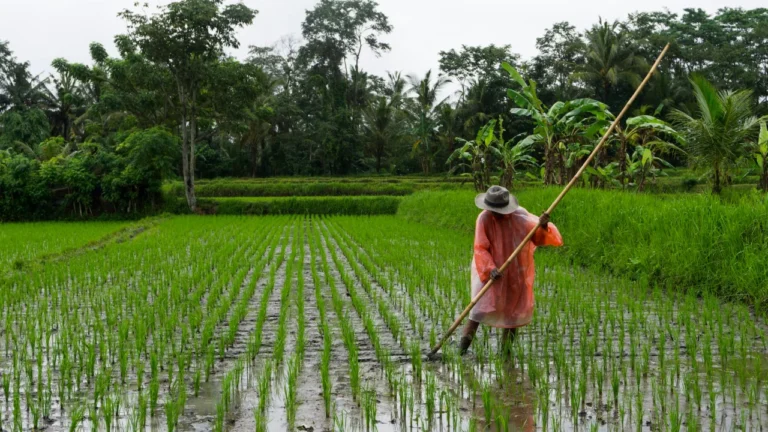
x=647, y=132
x=604, y=176
x=562, y=123
x=513, y=157
x=476, y=156
x=643, y=164
x=574, y=154
x=761, y=157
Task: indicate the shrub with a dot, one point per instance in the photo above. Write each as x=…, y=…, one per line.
x=364, y=205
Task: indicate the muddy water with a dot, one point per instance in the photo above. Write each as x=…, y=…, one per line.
x=466, y=388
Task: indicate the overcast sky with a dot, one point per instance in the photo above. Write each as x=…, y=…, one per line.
x=41, y=30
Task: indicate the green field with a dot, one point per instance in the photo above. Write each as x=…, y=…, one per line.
x=239, y=322
x=20, y=242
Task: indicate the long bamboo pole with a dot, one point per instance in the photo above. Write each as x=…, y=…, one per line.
x=552, y=207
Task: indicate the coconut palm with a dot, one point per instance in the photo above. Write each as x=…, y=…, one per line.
x=609, y=60
x=381, y=126
x=720, y=133
x=260, y=123
x=423, y=112
x=761, y=156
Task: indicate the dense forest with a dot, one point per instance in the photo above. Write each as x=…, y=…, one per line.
x=102, y=137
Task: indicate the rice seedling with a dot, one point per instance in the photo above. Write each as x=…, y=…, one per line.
x=325, y=363
x=185, y=291
x=369, y=409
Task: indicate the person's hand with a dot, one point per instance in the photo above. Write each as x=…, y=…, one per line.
x=495, y=275
x=544, y=220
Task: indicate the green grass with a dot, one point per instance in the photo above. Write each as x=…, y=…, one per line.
x=314, y=186
x=229, y=188
x=692, y=243
x=26, y=241
x=326, y=205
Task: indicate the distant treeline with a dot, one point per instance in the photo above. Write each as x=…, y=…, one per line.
x=101, y=137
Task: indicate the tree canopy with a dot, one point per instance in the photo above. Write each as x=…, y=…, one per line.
x=307, y=106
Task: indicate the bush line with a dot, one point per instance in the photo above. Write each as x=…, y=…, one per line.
x=358, y=205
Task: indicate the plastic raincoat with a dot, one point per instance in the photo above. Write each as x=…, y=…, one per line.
x=509, y=302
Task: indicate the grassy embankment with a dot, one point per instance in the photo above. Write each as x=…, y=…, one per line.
x=347, y=196
x=694, y=243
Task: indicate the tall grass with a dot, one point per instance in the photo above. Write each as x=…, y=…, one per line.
x=235, y=188
x=328, y=205
x=694, y=243
x=314, y=186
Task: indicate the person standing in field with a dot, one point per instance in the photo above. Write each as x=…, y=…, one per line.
x=500, y=228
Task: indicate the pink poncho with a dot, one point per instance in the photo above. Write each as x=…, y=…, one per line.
x=509, y=303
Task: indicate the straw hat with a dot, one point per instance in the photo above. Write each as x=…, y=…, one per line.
x=497, y=199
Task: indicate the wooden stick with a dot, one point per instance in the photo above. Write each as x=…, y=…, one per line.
x=552, y=207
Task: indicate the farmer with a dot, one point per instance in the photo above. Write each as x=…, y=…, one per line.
x=500, y=228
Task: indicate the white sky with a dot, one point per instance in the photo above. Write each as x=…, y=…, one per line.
x=41, y=30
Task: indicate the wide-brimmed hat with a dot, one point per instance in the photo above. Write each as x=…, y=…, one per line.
x=497, y=199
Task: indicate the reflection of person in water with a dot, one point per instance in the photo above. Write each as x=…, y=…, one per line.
x=500, y=228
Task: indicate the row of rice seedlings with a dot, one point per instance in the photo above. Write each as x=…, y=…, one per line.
x=272, y=371
x=297, y=360
x=325, y=328
x=347, y=331
x=172, y=327
x=403, y=303
x=431, y=391
x=609, y=339
x=398, y=385
x=231, y=384
x=367, y=273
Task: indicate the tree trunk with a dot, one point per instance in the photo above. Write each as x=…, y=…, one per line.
x=188, y=153
x=764, y=177
x=716, y=187
x=548, y=166
x=255, y=150
x=623, y=160
x=379, y=155
x=561, y=168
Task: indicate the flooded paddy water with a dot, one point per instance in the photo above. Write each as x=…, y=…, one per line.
x=322, y=324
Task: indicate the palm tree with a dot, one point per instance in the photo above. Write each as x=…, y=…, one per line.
x=381, y=126
x=722, y=130
x=260, y=121
x=23, y=100
x=66, y=103
x=449, y=126
x=609, y=60
x=423, y=112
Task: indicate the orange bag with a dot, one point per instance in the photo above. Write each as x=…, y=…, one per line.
x=509, y=302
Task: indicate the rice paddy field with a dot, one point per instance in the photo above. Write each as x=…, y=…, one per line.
x=322, y=323
x=20, y=242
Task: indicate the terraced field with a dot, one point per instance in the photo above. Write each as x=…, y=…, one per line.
x=322, y=323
